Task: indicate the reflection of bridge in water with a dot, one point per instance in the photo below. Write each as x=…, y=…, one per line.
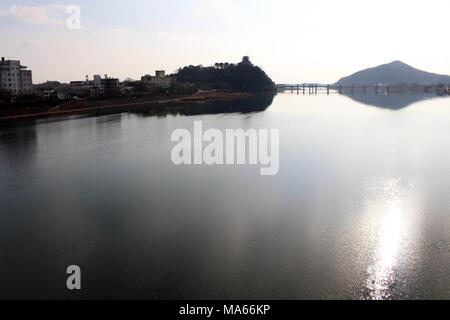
x=314, y=88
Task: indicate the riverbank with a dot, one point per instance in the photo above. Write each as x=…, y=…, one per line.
x=117, y=105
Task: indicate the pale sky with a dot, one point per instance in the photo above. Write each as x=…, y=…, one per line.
x=292, y=40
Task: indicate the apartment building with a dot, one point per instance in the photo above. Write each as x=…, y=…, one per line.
x=15, y=78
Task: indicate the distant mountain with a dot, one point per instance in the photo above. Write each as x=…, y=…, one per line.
x=393, y=73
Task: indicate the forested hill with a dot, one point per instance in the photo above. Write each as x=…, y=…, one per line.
x=395, y=72
x=243, y=76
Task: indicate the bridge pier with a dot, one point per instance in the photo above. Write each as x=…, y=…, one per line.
x=328, y=89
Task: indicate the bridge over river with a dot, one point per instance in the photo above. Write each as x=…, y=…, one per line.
x=314, y=88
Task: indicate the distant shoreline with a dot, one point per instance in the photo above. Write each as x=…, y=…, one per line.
x=126, y=104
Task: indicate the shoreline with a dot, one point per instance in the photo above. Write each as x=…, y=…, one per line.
x=109, y=107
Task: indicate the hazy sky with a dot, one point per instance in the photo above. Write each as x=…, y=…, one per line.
x=292, y=40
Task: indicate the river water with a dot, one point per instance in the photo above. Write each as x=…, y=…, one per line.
x=359, y=209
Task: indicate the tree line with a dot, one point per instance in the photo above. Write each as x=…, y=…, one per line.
x=243, y=76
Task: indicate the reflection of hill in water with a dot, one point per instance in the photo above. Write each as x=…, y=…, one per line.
x=246, y=105
x=393, y=101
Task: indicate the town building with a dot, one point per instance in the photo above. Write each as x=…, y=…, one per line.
x=110, y=83
x=110, y=86
x=160, y=73
x=95, y=88
x=97, y=80
x=159, y=80
x=15, y=78
x=79, y=88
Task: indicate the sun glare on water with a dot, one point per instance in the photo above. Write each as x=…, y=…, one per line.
x=382, y=272
x=391, y=215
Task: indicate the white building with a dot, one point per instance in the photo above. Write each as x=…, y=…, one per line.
x=159, y=80
x=15, y=78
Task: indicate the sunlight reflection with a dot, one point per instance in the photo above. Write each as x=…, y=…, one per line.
x=381, y=273
x=389, y=225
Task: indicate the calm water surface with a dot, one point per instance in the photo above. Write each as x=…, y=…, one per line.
x=359, y=209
